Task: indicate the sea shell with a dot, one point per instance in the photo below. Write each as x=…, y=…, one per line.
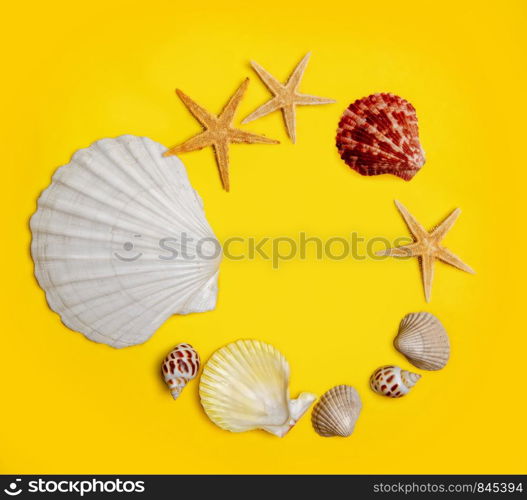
x=120, y=242
x=392, y=381
x=180, y=367
x=245, y=386
x=336, y=412
x=379, y=135
x=423, y=340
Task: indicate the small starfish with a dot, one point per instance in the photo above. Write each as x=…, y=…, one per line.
x=285, y=97
x=218, y=132
x=427, y=247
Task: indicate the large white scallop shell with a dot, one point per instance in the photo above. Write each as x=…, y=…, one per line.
x=120, y=242
x=245, y=386
x=423, y=340
x=337, y=411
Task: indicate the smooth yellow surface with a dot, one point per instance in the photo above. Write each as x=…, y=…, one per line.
x=76, y=73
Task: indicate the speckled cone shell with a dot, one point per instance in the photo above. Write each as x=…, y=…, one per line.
x=336, y=412
x=245, y=386
x=392, y=381
x=115, y=242
x=180, y=367
x=379, y=135
x=423, y=340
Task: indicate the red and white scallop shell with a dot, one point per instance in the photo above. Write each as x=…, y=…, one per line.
x=179, y=367
x=378, y=134
x=392, y=381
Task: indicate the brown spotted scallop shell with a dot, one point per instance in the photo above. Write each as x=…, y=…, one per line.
x=379, y=135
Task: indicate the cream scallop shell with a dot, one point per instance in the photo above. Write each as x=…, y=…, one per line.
x=423, y=340
x=121, y=242
x=245, y=386
x=336, y=412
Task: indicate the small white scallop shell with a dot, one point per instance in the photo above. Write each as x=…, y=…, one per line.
x=180, y=367
x=423, y=340
x=116, y=242
x=245, y=386
x=336, y=412
x=392, y=381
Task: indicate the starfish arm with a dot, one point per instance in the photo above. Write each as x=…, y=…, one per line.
x=201, y=114
x=240, y=136
x=427, y=272
x=440, y=231
x=263, y=110
x=418, y=231
x=227, y=115
x=270, y=81
x=306, y=100
x=199, y=141
x=447, y=256
x=296, y=76
x=221, y=150
x=404, y=251
x=289, y=113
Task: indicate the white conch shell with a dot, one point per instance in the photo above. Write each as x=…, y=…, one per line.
x=392, y=381
x=105, y=237
x=245, y=386
x=180, y=366
x=336, y=412
x=423, y=340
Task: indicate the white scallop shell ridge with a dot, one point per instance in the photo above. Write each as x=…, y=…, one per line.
x=116, y=238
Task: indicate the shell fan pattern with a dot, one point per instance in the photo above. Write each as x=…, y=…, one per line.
x=423, y=340
x=245, y=386
x=336, y=412
x=379, y=135
x=97, y=242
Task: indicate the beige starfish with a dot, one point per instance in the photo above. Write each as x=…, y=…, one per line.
x=286, y=97
x=427, y=247
x=218, y=132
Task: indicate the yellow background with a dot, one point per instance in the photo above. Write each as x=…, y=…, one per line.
x=73, y=74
